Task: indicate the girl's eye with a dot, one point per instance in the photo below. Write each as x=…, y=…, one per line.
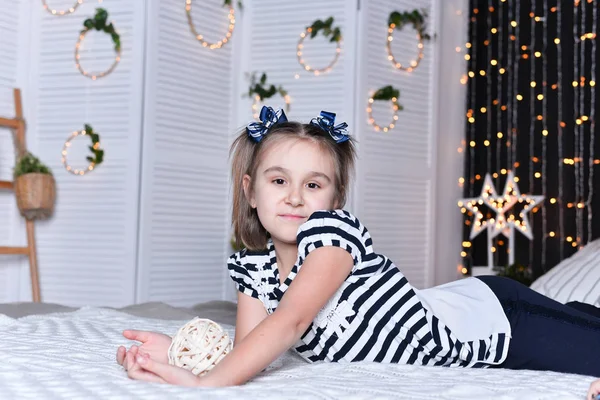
x=313, y=185
x=279, y=181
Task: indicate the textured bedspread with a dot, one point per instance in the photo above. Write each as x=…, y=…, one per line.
x=71, y=355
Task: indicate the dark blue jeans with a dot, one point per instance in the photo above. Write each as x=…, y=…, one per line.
x=548, y=335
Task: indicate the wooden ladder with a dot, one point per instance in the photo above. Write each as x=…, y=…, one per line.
x=17, y=124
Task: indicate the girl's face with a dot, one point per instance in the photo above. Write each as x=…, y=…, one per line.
x=294, y=179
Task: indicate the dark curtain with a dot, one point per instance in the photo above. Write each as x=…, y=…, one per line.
x=540, y=133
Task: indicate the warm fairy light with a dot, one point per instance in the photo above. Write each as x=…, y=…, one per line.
x=78, y=56
x=64, y=152
x=413, y=63
x=200, y=38
x=376, y=126
x=308, y=68
x=62, y=12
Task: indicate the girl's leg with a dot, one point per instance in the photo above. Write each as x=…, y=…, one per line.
x=546, y=335
x=586, y=308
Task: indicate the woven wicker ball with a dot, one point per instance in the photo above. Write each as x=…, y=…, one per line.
x=199, y=345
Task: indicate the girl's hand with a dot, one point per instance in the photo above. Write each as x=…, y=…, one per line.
x=594, y=390
x=144, y=368
x=156, y=345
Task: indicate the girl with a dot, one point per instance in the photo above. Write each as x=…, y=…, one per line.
x=309, y=279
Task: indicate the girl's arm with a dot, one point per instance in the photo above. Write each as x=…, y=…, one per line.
x=250, y=312
x=321, y=275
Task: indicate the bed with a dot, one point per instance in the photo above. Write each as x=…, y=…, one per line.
x=53, y=352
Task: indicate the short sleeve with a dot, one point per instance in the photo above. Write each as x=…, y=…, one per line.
x=240, y=275
x=336, y=228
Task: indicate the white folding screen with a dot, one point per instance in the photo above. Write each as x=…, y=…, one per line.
x=12, y=44
x=187, y=121
x=88, y=249
x=394, y=191
x=396, y=175
x=152, y=222
x=270, y=39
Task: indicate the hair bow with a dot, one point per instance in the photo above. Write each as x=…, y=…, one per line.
x=326, y=121
x=268, y=119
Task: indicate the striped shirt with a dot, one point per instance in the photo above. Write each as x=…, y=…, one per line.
x=376, y=315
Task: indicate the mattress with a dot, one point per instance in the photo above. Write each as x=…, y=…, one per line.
x=70, y=354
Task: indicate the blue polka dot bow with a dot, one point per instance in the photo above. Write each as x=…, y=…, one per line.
x=326, y=121
x=268, y=119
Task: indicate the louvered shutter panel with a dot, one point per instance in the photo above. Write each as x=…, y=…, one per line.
x=396, y=169
x=10, y=20
x=87, y=251
x=187, y=120
x=272, y=31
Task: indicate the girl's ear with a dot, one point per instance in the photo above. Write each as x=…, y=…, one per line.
x=247, y=182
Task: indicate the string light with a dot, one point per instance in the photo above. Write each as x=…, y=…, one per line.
x=542, y=98
x=64, y=153
x=78, y=57
x=376, y=126
x=200, y=38
x=578, y=94
x=514, y=63
x=388, y=46
x=308, y=68
x=591, y=161
x=61, y=12
x=559, y=80
x=532, y=124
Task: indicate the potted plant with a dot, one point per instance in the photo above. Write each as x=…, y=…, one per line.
x=35, y=188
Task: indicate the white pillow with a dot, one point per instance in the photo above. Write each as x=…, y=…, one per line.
x=576, y=278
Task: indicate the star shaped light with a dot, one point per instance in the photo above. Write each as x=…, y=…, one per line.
x=473, y=204
x=512, y=189
x=500, y=205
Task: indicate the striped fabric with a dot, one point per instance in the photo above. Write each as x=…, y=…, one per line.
x=576, y=278
x=374, y=316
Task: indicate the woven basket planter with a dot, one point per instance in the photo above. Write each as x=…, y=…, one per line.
x=36, y=195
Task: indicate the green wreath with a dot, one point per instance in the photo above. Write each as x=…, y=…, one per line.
x=385, y=93
x=389, y=93
x=98, y=153
x=230, y=2
x=258, y=88
x=415, y=18
x=99, y=23
x=327, y=28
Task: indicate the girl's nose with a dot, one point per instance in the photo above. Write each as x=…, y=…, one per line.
x=294, y=197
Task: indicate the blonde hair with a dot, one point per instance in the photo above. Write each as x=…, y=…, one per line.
x=246, y=155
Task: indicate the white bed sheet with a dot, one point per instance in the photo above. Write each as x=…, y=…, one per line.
x=72, y=356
